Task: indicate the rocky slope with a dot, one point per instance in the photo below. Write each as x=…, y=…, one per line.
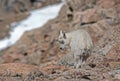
x=101, y=18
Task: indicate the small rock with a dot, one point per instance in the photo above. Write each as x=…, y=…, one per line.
x=117, y=76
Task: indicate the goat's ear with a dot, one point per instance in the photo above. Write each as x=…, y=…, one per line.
x=61, y=32
x=64, y=34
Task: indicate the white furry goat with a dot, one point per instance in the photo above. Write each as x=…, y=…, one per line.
x=80, y=44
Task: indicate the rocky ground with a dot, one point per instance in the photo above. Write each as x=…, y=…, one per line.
x=37, y=57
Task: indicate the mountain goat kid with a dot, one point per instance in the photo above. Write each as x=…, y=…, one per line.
x=80, y=44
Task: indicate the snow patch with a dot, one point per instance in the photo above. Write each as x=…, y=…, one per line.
x=36, y=19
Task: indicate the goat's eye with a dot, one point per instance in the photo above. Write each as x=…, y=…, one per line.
x=62, y=42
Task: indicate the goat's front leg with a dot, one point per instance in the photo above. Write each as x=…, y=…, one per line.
x=78, y=61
